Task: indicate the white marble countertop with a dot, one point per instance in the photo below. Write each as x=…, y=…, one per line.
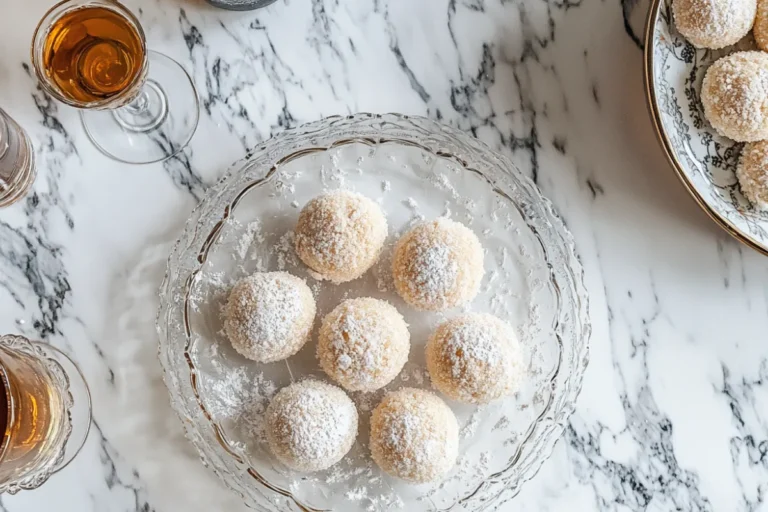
x=673, y=411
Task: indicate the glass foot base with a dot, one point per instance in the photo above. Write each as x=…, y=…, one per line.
x=156, y=125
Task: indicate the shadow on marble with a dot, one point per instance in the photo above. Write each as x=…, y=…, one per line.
x=135, y=414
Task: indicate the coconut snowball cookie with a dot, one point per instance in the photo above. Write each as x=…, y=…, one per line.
x=269, y=316
x=311, y=425
x=714, y=23
x=760, y=30
x=753, y=173
x=414, y=436
x=735, y=96
x=438, y=265
x=475, y=358
x=363, y=344
x=340, y=235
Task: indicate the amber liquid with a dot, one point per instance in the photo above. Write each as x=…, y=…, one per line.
x=93, y=54
x=32, y=416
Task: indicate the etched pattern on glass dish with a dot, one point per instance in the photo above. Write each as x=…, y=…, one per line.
x=416, y=169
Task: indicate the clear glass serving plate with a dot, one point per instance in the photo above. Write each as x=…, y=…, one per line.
x=416, y=169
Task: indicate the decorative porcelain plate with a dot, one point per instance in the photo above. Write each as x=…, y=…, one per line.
x=416, y=169
x=705, y=161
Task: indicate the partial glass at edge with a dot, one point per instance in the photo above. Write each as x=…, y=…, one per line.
x=45, y=411
x=17, y=161
x=141, y=124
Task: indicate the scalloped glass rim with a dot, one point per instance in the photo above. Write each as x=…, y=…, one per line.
x=61, y=380
x=703, y=160
x=557, y=244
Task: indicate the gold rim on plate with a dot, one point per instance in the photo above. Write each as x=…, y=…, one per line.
x=661, y=134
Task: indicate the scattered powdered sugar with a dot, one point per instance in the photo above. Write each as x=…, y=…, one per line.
x=498, y=207
x=282, y=188
x=251, y=236
x=333, y=177
x=414, y=206
x=284, y=251
x=470, y=427
x=216, y=279
x=386, y=186
x=382, y=270
x=242, y=399
x=369, y=494
x=209, y=287
x=442, y=181
x=357, y=494
x=352, y=468
x=472, y=470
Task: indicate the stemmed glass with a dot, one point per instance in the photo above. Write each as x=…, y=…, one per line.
x=17, y=161
x=137, y=106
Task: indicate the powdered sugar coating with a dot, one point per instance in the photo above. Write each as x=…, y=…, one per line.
x=475, y=358
x=363, y=344
x=753, y=173
x=311, y=425
x=414, y=436
x=438, y=265
x=714, y=23
x=735, y=96
x=269, y=316
x=339, y=235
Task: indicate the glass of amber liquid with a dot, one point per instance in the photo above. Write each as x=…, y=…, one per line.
x=17, y=161
x=45, y=412
x=137, y=106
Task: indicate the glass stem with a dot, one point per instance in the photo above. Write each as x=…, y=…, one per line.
x=140, y=104
x=146, y=111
